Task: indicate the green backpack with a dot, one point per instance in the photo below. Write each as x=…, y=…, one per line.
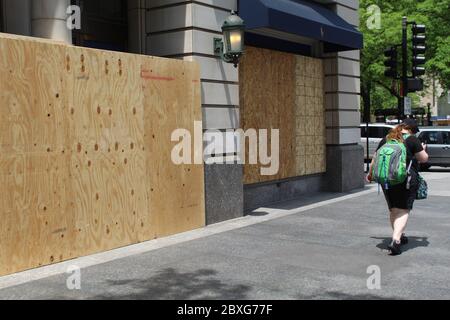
x=390, y=168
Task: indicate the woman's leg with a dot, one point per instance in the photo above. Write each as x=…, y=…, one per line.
x=392, y=217
x=401, y=217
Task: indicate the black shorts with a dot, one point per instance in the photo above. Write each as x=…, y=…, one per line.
x=399, y=197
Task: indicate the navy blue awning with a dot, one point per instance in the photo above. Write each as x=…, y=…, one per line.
x=301, y=18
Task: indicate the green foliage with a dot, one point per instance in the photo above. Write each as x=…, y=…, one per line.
x=435, y=14
x=381, y=99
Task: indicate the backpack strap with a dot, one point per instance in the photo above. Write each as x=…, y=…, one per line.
x=408, y=183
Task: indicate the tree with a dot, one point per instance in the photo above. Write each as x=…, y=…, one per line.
x=375, y=87
x=435, y=14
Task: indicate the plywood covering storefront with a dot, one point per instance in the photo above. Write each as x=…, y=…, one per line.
x=85, y=151
x=285, y=91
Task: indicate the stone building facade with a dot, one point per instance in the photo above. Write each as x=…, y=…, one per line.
x=324, y=155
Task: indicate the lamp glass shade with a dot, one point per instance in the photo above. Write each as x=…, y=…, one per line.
x=234, y=40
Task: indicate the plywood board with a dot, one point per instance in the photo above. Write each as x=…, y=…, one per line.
x=85, y=151
x=310, y=133
x=284, y=91
x=267, y=103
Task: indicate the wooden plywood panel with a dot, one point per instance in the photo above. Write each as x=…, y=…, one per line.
x=310, y=133
x=266, y=102
x=33, y=166
x=175, y=192
x=284, y=91
x=85, y=151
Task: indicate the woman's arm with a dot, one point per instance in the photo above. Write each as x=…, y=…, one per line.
x=369, y=175
x=422, y=157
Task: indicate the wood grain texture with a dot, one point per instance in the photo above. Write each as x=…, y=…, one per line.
x=310, y=133
x=284, y=91
x=267, y=102
x=85, y=151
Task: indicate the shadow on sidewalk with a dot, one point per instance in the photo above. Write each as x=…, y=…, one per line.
x=169, y=284
x=438, y=170
x=302, y=201
x=414, y=242
x=335, y=296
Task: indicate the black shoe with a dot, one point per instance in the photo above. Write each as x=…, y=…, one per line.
x=404, y=240
x=395, y=248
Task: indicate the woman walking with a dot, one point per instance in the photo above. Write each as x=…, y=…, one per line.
x=400, y=198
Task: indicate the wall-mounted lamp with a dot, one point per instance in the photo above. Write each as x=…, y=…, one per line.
x=233, y=33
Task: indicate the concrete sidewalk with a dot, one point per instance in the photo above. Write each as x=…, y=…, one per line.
x=294, y=250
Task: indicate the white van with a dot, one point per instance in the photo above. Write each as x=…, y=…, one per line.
x=377, y=132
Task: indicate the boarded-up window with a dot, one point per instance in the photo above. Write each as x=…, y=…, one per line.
x=284, y=91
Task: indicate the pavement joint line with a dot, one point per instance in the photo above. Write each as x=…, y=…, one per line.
x=152, y=245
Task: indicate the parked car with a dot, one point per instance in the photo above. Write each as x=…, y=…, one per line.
x=377, y=132
x=393, y=122
x=438, y=146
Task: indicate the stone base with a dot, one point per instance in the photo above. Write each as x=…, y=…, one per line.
x=345, y=168
x=223, y=192
x=259, y=195
x=227, y=199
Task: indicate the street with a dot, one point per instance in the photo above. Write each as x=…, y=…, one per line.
x=319, y=248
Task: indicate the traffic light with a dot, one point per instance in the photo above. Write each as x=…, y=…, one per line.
x=418, y=49
x=391, y=62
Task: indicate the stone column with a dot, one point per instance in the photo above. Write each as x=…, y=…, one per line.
x=49, y=20
x=345, y=157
